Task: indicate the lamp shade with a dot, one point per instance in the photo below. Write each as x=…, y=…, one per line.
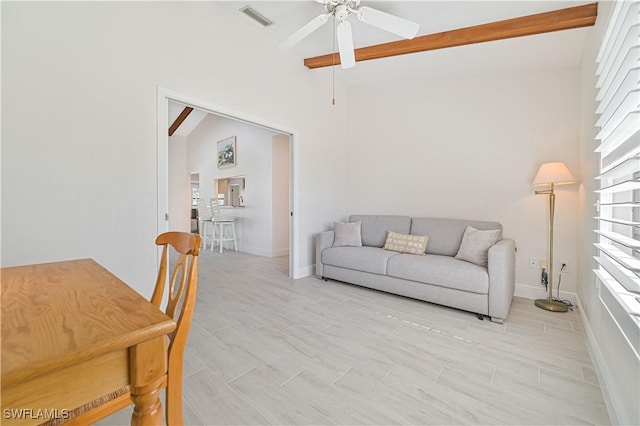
x=556, y=173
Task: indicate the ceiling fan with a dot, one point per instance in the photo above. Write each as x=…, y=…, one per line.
x=341, y=10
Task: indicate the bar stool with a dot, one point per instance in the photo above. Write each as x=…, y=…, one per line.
x=219, y=224
x=205, y=219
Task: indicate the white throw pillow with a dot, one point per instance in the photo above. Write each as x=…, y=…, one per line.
x=476, y=244
x=347, y=234
x=404, y=243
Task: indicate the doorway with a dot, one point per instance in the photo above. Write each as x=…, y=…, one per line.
x=234, y=194
x=163, y=99
x=195, y=196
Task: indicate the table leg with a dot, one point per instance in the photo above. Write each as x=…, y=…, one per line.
x=148, y=365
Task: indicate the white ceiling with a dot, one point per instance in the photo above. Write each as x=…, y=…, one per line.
x=553, y=50
x=561, y=49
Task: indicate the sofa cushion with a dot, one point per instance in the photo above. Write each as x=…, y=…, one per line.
x=405, y=243
x=366, y=259
x=445, y=235
x=375, y=227
x=347, y=234
x=476, y=244
x=443, y=271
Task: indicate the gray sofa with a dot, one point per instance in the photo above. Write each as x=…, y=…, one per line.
x=437, y=276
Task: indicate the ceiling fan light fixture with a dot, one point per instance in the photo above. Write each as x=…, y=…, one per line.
x=341, y=12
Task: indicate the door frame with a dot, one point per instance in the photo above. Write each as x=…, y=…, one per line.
x=165, y=95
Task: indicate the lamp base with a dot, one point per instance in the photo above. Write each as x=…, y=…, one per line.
x=551, y=305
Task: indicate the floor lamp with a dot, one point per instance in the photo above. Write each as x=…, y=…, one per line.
x=552, y=174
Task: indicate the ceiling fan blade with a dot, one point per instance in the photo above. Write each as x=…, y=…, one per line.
x=303, y=32
x=345, y=44
x=388, y=22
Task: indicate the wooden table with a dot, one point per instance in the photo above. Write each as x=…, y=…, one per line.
x=72, y=332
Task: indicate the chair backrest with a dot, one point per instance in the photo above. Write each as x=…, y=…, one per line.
x=204, y=210
x=183, y=281
x=216, y=211
x=220, y=215
x=183, y=284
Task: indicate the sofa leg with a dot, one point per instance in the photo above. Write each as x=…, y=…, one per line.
x=497, y=320
x=322, y=278
x=480, y=317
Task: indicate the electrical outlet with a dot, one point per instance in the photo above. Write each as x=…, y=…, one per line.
x=564, y=268
x=533, y=263
x=544, y=264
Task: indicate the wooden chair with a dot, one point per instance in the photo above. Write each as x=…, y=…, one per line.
x=183, y=283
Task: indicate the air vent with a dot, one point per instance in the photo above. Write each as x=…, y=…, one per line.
x=256, y=16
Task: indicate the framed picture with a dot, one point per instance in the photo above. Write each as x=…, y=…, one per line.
x=227, y=155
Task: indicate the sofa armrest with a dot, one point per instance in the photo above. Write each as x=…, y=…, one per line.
x=323, y=240
x=502, y=278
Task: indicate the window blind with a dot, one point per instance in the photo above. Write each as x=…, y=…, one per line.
x=618, y=196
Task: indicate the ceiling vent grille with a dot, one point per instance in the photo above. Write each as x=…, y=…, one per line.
x=256, y=16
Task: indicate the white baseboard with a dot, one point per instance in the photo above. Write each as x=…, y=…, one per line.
x=304, y=271
x=539, y=292
x=604, y=377
x=256, y=251
x=280, y=252
x=264, y=252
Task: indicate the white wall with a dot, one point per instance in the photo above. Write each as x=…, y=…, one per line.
x=280, y=179
x=618, y=366
x=79, y=118
x=254, y=162
x=469, y=148
x=179, y=186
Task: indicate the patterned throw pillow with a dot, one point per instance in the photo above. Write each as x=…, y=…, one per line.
x=404, y=243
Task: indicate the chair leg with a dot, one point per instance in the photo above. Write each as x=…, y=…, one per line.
x=202, y=233
x=233, y=230
x=213, y=234
x=173, y=406
x=221, y=235
x=205, y=235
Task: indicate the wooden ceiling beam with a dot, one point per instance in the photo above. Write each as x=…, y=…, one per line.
x=183, y=116
x=557, y=20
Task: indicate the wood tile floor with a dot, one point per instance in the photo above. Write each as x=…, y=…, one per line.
x=264, y=349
